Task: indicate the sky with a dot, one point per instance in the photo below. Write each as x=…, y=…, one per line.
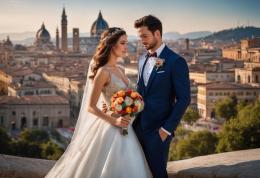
x=176, y=15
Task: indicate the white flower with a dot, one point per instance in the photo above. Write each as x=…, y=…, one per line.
x=159, y=62
x=128, y=101
x=137, y=103
x=141, y=106
x=118, y=107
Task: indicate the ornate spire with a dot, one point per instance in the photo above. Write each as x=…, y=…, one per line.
x=64, y=16
x=64, y=35
x=57, y=39
x=100, y=15
x=43, y=26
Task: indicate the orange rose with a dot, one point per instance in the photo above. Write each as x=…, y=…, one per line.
x=120, y=100
x=128, y=110
x=133, y=95
x=121, y=93
x=112, y=105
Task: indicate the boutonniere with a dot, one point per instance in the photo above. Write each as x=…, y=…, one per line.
x=159, y=63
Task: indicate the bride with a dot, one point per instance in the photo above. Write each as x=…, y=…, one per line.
x=98, y=149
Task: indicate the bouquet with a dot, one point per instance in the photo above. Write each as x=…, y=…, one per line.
x=126, y=102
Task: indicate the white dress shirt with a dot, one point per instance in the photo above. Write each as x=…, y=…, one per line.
x=148, y=68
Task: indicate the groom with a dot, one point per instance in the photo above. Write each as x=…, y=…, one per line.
x=163, y=82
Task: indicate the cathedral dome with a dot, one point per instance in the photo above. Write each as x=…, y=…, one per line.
x=99, y=26
x=43, y=34
x=43, y=39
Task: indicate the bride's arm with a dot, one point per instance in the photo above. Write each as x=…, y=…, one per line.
x=101, y=78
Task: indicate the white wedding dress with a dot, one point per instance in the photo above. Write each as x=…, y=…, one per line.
x=98, y=149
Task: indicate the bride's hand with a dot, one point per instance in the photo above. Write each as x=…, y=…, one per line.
x=122, y=122
x=104, y=107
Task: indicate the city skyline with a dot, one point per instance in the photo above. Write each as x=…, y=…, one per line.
x=178, y=16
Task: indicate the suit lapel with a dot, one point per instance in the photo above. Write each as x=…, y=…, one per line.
x=140, y=82
x=142, y=67
x=154, y=71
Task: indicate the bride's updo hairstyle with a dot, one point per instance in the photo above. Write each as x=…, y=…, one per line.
x=108, y=39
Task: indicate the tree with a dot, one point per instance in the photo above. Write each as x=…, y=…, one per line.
x=197, y=144
x=190, y=116
x=26, y=149
x=31, y=143
x=243, y=131
x=180, y=134
x=34, y=135
x=226, y=108
x=51, y=151
x=241, y=105
x=4, y=142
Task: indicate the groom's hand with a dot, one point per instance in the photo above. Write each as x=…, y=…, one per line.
x=163, y=135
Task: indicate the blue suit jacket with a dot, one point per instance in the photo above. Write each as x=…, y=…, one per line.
x=167, y=94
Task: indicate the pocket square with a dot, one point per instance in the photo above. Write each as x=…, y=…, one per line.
x=160, y=72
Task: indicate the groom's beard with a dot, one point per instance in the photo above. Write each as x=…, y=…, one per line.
x=152, y=45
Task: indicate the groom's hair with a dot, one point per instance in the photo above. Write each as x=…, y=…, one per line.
x=151, y=22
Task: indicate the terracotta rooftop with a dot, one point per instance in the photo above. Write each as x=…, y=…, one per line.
x=32, y=100
x=229, y=85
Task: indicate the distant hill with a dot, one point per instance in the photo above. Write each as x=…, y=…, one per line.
x=191, y=35
x=17, y=36
x=235, y=34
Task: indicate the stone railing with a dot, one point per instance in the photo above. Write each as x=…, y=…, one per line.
x=239, y=164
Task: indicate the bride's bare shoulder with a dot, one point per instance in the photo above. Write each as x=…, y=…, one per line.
x=122, y=68
x=103, y=73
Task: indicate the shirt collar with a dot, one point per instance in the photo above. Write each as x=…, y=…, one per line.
x=160, y=49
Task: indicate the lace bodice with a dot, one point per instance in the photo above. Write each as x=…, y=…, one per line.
x=113, y=86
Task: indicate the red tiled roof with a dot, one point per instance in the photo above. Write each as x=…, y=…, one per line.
x=32, y=100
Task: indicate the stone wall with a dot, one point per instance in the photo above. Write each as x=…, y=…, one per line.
x=239, y=164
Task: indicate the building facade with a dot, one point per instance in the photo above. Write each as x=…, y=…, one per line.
x=34, y=112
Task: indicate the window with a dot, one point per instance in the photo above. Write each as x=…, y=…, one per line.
x=2, y=120
x=60, y=123
x=256, y=79
x=45, y=121
x=35, y=121
x=238, y=78
x=45, y=92
x=29, y=93
x=248, y=79
x=34, y=113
